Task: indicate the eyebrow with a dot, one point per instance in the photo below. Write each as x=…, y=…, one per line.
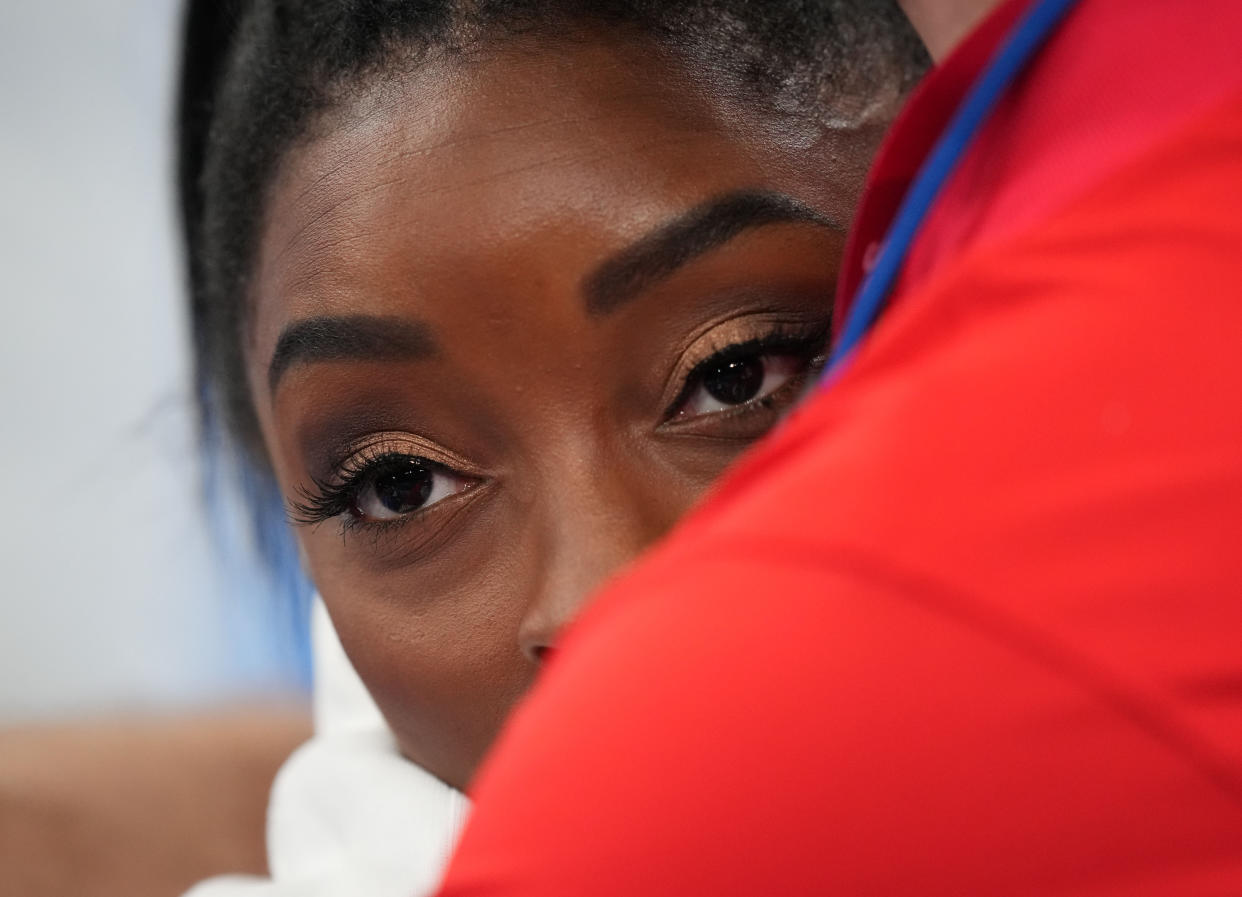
x=701, y=229
x=349, y=338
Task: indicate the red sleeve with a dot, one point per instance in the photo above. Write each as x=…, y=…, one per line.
x=970, y=624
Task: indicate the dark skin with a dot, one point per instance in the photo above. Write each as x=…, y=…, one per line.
x=488, y=319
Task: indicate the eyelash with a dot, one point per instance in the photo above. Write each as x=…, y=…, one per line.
x=806, y=344
x=325, y=499
x=328, y=499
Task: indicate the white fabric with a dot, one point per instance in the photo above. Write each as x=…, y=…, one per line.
x=348, y=815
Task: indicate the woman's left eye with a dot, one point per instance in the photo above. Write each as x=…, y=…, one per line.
x=723, y=383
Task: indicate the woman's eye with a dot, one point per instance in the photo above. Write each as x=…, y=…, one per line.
x=728, y=383
x=403, y=488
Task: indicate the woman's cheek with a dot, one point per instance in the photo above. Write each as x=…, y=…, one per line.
x=439, y=653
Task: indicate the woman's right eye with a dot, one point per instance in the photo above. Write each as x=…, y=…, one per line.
x=397, y=488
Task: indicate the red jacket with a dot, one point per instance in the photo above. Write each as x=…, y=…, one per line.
x=971, y=622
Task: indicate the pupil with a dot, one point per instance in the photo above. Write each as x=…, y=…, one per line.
x=405, y=489
x=735, y=382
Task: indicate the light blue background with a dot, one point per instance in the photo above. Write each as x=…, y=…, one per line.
x=111, y=595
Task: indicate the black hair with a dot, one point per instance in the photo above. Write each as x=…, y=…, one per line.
x=257, y=73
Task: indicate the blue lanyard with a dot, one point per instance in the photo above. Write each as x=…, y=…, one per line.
x=1020, y=47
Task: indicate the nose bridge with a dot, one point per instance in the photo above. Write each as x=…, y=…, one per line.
x=598, y=513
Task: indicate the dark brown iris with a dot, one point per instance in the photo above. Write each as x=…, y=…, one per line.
x=734, y=382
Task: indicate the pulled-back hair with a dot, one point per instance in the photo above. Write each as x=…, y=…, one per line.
x=257, y=74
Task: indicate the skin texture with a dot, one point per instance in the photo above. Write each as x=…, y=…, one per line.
x=470, y=205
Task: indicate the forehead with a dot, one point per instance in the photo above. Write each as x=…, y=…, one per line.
x=532, y=162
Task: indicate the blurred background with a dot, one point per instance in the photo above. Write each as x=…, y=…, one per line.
x=126, y=643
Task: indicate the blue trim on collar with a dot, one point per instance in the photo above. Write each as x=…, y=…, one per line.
x=1021, y=46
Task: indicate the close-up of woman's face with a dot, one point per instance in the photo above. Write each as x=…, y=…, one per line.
x=511, y=316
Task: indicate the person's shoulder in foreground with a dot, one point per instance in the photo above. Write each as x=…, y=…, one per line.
x=971, y=623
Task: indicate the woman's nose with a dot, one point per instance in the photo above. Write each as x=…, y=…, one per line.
x=573, y=569
x=587, y=539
